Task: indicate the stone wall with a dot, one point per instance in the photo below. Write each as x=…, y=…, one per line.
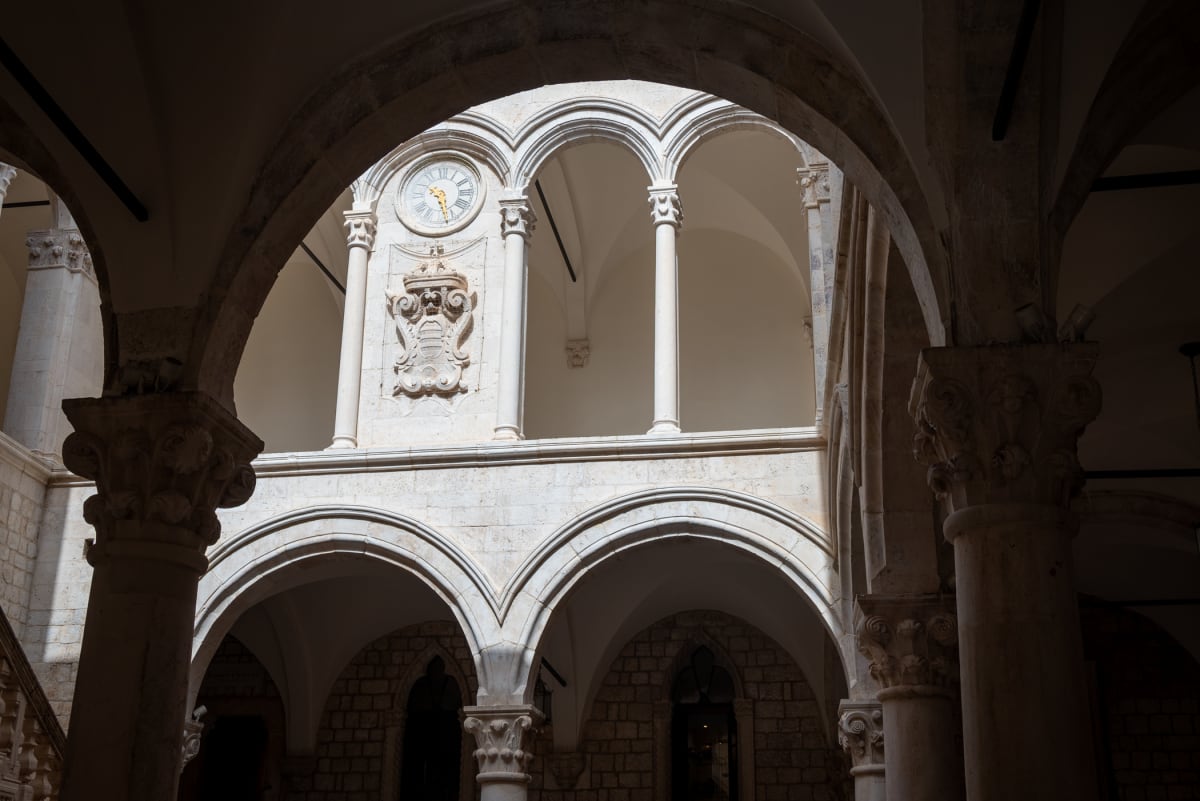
x=361, y=731
x=22, y=494
x=1148, y=703
x=625, y=748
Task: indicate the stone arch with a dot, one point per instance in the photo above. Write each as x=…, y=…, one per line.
x=286, y=550
x=692, y=126
x=697, y=638
x=570, y=123
x=786, y=542
x=419, y=80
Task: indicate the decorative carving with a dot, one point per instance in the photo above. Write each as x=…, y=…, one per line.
x=814, y=183
x=162, y=465
x=578, y=352
x=59, y=248
x=517, y=217
x=1001, y=423
x=360, y=229
x=860, y=732
x=192, y=731
x=502, y=736
x=433, y=320
x=665, y=206
x=566, y=769
x=909, y=642
x=7, y=173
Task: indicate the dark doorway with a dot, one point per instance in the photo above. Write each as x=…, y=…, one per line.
x=432, y=760
x=234, y=759
x=703, y=732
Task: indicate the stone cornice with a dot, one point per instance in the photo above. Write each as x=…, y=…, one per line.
x=25, y=461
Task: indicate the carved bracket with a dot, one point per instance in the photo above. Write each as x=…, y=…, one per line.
x=434, y=318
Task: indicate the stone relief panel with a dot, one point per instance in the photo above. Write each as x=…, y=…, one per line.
x=434, y=318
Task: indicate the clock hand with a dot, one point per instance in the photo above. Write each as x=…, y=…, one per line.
x=440, y=194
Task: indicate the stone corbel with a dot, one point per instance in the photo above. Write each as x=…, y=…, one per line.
x=578, y=352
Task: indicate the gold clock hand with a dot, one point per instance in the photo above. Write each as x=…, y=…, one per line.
x=440, y=194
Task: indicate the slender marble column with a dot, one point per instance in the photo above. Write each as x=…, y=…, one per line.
x=162, y=463
x=516, y=225
x=667, y=214
x=860, y=734
x=998, y=426
x=910, y=644
x=503, y=737
x=360, y=227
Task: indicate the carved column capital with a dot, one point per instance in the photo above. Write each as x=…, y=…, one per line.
x=163, y=464
x=503, y=736
x=1001, y=423
x=814, y=184
x=517, y=217
x=59, y=248
x=7, y=173
x=860, y=734
x=360, y=229
x=578, y=352
x=665, y=206
x=910, y=642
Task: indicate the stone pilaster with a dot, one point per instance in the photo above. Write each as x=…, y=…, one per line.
x=162, y=464
x=860, y=734
x=998, y=427
x=503, y=737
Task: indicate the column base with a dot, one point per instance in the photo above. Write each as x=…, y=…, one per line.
x=507, y=434
x=664, y=427
x=342, y=442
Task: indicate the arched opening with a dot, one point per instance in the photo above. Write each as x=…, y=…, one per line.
x=704, y=735
x=431, y=763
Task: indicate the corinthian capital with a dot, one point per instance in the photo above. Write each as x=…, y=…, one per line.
x=360, y=229
x=7, y=173
x=909, y=641
x=665, y=207
x=59, y=248
x=517, y=217
x=1001, y=423
x=814, y=183
x=163, y=464
x=503, y=735
x=860, y=733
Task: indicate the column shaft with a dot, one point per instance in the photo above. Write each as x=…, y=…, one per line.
x=517, y=223
x=921, y=757
x=667, y=216
x=361, y=227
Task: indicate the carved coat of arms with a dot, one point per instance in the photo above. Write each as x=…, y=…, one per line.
x=433, y=319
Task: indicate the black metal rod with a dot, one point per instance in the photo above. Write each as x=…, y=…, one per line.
x=557, y=676
x=68, y=129
x=1144, y=602
x=1016, y=65
x=1167, y=472
x=320, y=264
x=1148, y=180
x=25, y=204
x=553, y=227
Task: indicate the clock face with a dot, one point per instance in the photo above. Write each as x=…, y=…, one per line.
x=439, y=196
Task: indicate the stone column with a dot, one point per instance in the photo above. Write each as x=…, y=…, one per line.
x=910, y=645
x=667, y=214
x=814, y=183
x=998, y=426
x=860, y=734
x=163, y=464
x=516, y=225
x=360, y=227
x=503, y=736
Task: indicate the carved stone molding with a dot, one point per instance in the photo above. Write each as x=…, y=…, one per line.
x=434, y=318
x=665, y=206
x=162, y=465
x=860, y=733
x=192, y=731
x=59, y=248
x=517, y=217
x=909, y=641
x=814, y=184
x=578, y=352
x=360, y=229
x=1001, y=423
x=503, y=735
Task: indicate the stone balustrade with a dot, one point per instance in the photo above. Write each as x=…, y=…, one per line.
x=32, y=741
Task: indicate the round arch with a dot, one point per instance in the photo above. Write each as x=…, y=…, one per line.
x=290, y=550
x=792, y=548
x=401, y=89
x=688, y=131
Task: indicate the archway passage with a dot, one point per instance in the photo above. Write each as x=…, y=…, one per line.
x=704, y=735
x=431, y=762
